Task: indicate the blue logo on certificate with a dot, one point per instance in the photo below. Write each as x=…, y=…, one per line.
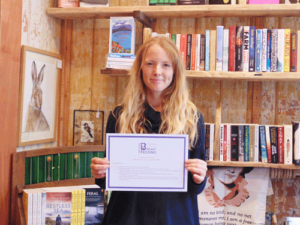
x=147, y=148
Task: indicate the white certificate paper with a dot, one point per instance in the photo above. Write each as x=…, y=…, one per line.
x=146, y=162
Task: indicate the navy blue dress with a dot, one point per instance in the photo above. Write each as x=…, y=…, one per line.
x=156, y=208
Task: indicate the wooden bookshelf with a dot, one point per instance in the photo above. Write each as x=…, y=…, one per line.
x=177, y=11
x=253, y=164
x=220, y=75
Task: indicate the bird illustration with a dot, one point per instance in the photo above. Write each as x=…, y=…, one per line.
x=88, y=129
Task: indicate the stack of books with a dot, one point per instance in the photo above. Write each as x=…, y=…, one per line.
x=120, y=61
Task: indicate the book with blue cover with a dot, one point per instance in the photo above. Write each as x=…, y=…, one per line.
x=219, y=62
x=269, y=42
x=252, y=41
x=94, y=206
x=258, y=49
x=263, y=144
x=122, y=35
x=246, y=145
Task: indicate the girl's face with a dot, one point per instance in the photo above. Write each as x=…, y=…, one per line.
x=228, y=175
x=157, y=70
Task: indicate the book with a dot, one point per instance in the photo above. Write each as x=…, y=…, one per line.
x=191, y=2
x=287, y=50
x=183, y=45
x=262, y=142
x=296, y=142
x=258, y=49
x=221, y=153
x=194, y=49
x=269, y=43
x=256, y=146
x=225, y=49
x=288, y=144
x=294, y=45
x=93, y=3
x=202, y=52
x=219, y=48
x=246, y=48
x=207, y=141
x=67, y=3
x=27, y=200
x=173, y=38
x=239, y=48
x=225, y=143
x=268, y=143
x=274, y=143
x=219, y=2
x=246, y=143
x=280, y=142
x=94, y=206
x=122, y=35
x=231, y=53
x=228, y=147
x=263, y=2
x=178, y=36
x=188, y=51
x=207, y=50
x=280, y=50
x=234, y=142
x=251, y=142
x=241, y=134
x=213, y=43
x=198, y=47
x=298, y=52
x=274, y=50
x=264, y=50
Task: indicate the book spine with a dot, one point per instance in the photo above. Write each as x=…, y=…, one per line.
x=269, y=43
x=251, y=142
x=228, y=143
x=296, y=142
x=219, y=52
x=39, y=209
x=225, y=49
x=178, y=37
x=194, y=48
x=263, y=146
x=27, y=204
x=258, y=49
x=202, y=52
x=211, y=145
x=183, y=45
x=293, y=52
x=298, y=52
x=280, y=145
x=241, y=143
x=207, y=141
x=43, y=208
x=118, y=66
x=274, y=50
x=234, y=143
x=239, y=48
x=34, y=208
x=256, y=146
x=274, y=144
x=246, y=145
x=83, y=207
x=207, y=50
x=116, y=56
x=264, y=50
x=252, y=49
x=173, y=38
x=225, y=143
x=231, y=54
x=79, y=207
x=280, y=50
x=221, y=142
x=246, y=49
x=287, y=48
x=213, y=44
x=288, y=144
x=268, y=143
x=197, y=59
x=188, y=52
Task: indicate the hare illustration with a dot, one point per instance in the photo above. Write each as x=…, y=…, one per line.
x=36, y=121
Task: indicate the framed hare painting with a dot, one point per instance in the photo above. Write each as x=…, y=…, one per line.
x=39, y=88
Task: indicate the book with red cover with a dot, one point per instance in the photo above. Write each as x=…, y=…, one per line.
x=280, y=145
x=194, y=45
x=183, y=43
x=232, y=37
x=239, y=53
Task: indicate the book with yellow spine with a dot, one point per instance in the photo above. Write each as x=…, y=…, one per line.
x=79, y=207
x=82, y=206
x=287, y=49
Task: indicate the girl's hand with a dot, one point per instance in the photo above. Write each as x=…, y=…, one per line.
x=98, y=167
x=198, y=169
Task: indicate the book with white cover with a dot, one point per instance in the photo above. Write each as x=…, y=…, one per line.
x=264, y=50
x=225, y=49
x=246, y=48
x=280, y=50
x=219, y=53
x=288, y=144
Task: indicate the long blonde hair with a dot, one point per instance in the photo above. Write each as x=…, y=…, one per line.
x=179, y=115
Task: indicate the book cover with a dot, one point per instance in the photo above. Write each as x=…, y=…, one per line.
x=219, y=48
x=225, y=49
x=231, y=54
x=293, y=62
x=239, y=48
x=288, y=144
x=246, y=48
x=268, y=143
x=58, y=207
x=234, y=143
x=183, y=45
x=280, y=50
x=67, y=3
x=296, y=142
x=211, y=139
x=219, y=2
x=194, y=49
x=221, y=154
x=269, y=42
x=264, y=50
x=122, y=35
x=178, y=37
x=228, y=142
x=262, y=142
x=258, y=49
x=225, y=143
x=213, y=44
x=188, y=52
x=274, y=143
x=256, y=146
x=241, y=142
x=202, y=52
x=94, y=206
x=263, y=2
x=280, y=142
x=207, y=50
x=246, y=144
x=198, y=47
x=274, y=49
x=287, y=47
x=207, y=141
x=251, y=142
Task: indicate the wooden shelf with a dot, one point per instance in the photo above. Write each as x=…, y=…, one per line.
x=177, y=11
x=253, y=164
x=218, y=75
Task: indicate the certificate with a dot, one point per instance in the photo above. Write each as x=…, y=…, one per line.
x=146, y=162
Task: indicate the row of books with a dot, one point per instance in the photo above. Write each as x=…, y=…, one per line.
x=255, y=143
x=57, y=167
x=239, y=48
x=76, y=205
x=82, y=3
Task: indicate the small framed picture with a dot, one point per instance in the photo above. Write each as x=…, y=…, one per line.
x=88, y=126
x=38, y=104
